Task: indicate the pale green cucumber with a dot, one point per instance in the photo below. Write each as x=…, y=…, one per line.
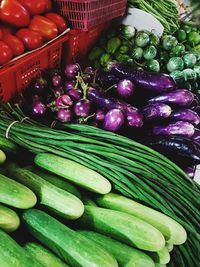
x=70, y=246
x=43, y=255
x=122, y=252
x=123, y=227
x=74, y=172
x=2, y=157
x=161, y=257
x=15, y=194
x=9, y=220
x=56, y=180
x=59, y=201
x=7, y=146
x=173, y=232
x=169, y=246
x=13, y=255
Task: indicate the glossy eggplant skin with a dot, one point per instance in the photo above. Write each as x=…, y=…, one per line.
x=154, y=82
x=181, y=150
x=186, y=115
x=178, y=98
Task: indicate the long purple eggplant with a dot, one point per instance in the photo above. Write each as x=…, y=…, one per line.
x=179, y=98
x=132, y=114
x=179, y=149
x=155, y=82
x=181, y=128
x=157, y=111
x=186, y=115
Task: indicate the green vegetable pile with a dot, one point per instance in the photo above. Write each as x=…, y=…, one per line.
x=165, y=11
x=146, y=51
x=134, y=170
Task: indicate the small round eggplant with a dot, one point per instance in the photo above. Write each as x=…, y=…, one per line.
x=114, y=120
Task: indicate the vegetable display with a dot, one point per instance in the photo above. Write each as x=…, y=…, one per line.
x=135, y=171
x=27, y=25
x=172, y=53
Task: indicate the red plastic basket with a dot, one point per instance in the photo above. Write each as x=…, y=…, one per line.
x=17, y=75
x=80, y=43
x=85, y=14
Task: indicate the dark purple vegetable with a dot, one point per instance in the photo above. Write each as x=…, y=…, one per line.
x=89, y=70
x=179, y=149
x=38, y=108
x=56, y=80
x=107, y=78
x=190, y=171
x=82, y=108
x=182, y=128
x=180, y=97
x=63, y=101
x=194, y=104
x=134, y=118
x=39, y=86
x=75, y=94
x=64, y=115
x=99, y=115
x=196, y=136
x=71, y=71
x=157, y=111
x=125, y=88
x=151, y=81
x=186, y=115
x=69, y=85
x=58, y=91
x=114, y=120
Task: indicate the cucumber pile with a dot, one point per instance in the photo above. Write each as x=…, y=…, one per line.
x=155, y=211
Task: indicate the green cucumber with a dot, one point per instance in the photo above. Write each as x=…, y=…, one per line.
x=13, y=255
x=123, y=227
x=56, y=180
x=9, y=220
x=172, y=231
x=59, y=201
x=15, y=194
x=169, y=247
x=122, y=252
x=2, y=157
x=74, y=172
x=161, y=257
x=88, y=201
x=7, y=146
x=70, y=246
x=43, y=255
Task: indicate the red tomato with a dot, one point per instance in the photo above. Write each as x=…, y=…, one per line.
x=13, y=13
x=44, y=26
x=58, y=20
x=5, y=53
x=48, y=5
x=16, y=45
x=34, y=7
x=31, y=39
x=6, y=29
x=1, y=34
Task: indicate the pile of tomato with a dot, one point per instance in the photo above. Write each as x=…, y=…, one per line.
x=26, y=25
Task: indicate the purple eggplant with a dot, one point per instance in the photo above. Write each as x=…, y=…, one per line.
x=71, y=71
x=107, y=78
x=181, y=128
x=39, y=86
x=63, y=101
x=75, y=94
x=69, y=85
x=38, y=108
x=56, y=80
x=196, y=136
x=82, y=108
x=194, y=104
x=155, y=82
x=179, y=98
x=157, y=111
x=64, y=115
x=99, y=115
x=114, y=119
x=125, y=88
x=190, y=171
x=186, y=115
x=133, y=116
x=179, y=149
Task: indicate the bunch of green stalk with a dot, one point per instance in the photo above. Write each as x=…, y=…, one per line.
x=134, y=170
x=165, y=11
